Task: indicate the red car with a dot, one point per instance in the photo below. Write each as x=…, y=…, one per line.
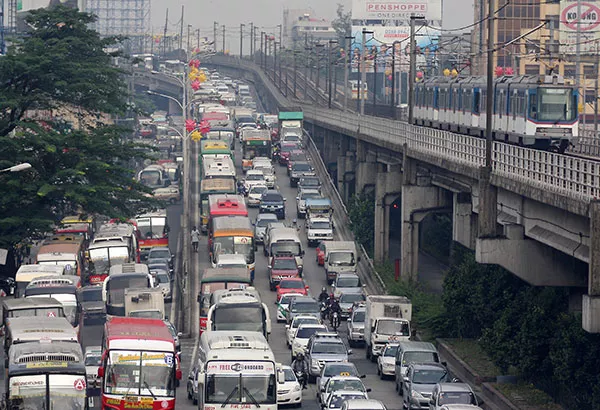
x=291, y=285
x=321, y=253
x=286, y=149
x=282, y=267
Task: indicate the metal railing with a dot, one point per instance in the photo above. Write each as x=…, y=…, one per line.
x=572, y=177
x=587, y=145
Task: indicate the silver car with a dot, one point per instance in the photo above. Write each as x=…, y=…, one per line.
x=356, y=326
x=260, y=226
x=346, y=283
x=304, y=305
x=303, y=195
x=324, y=348
x=164, y=284
x=419, y=383
x=347, y=300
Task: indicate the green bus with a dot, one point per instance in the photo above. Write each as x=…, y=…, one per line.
x=215, y=149
x=212, y=186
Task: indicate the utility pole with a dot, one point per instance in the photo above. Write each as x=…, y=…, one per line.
x=374, y=83
x=329, y=67
x=188, y=41
x=347, y=60
x=280, y=62
x=295, y=73
x=215, y=25
x=275, y=62
x=165, y=35
x=181, y=30
x=363, y=73
x=254, y=41
x=393, y=99
x=596, y=91
x=223, y=28
x=413, y=68
x=251, y=40
x=241, y=40
x=262, y=51
x=307, y=51
x=198, y=38
x=578, y=56
x=489, y=101
x=319, y=47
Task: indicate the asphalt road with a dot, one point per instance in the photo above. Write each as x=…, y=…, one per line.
x=314, y=276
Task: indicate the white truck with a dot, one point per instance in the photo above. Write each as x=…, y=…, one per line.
x=147, y=302
x=340, y=256
x=319, y=228
x=387, y=319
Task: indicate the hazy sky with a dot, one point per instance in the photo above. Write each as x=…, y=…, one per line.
x=268, y=13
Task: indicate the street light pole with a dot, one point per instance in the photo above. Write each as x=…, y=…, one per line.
x=319, y=47
x=412, y=70
x=18, y=167
x=329, y=66
x=347, y=61
x=241, y=39
x=363, y=73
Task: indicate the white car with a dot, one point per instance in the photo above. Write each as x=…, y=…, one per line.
x=336, y=400
x=303, y=333
x=341, y=383
x=230, y=260
x=270, y=177
x=255, y=194
x=386, y=361
x=254, y=177
x=290, y=329
x=282, y=306
x=290, y=391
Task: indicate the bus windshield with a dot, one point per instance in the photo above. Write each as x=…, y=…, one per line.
x=30, y=391
x=103, y=258
x=236, y=245
x=233, y=389
x=152, y=228
x=247, y=318
x=116, y=287
x=146, y=373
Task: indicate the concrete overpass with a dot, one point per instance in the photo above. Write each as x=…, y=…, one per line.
x=535, y=213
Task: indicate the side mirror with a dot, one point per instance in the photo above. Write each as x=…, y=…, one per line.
x=179, y=334
x=322, y=389
x=287, y=326
x=297, y=198
x=269, y=266
x=199, y=298
x=432, y=402
x=307, y=287
x=284, y=199
x=363, y=376
x=100, y=371
x=277, y=287
x=349, y=351
x=368, y=390
x=445, y=364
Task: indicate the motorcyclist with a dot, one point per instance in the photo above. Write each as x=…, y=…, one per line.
x=241, y=188
x=333, y=305
x=300, y=366
x=323, y=296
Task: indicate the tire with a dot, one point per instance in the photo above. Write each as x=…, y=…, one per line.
x=311, y=379
x=189, y=394
x=298, y=405
x=195, y=401
x=378, y=372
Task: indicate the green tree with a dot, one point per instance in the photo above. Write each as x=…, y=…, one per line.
x=342, y=25
x=62, y=64
x=61, y=60
x=361, y=212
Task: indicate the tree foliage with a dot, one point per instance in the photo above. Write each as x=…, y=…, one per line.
x=361, y=211
x=62, y=65
x=342, y=25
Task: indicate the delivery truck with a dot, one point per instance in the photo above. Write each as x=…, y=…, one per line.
x=387, y=319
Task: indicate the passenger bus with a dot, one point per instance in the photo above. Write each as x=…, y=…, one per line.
x=236, y=370
x=140, y=365
x=222, y=131
x=114, y=244
x=218, y=168
x=238, y=309
x=21, y=330
x=211, y=187
x=46, y=376
x=225, y=205
x=153, y=231
x=62, y=288
x=31, y=307
x=80, y=229
x=232, y=235
x=255, y=143
x=211, y=148
x=153, y=176
x=66, y=251
x=121, y=277
x=219, y=279
x=27, y=273
x=353, y=84
x=90, y=221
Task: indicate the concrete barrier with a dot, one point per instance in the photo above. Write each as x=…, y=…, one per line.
x=460, y=367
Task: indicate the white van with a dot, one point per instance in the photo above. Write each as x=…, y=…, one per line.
x=27, y=273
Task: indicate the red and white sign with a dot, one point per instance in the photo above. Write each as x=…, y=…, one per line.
x=431, y=10
x=79, y=384
x=587, y=24
x=51, y=314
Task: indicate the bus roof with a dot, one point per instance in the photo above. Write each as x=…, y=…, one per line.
x=40, y=270
x=162, y=213
x=233, y=223
x=77, y=219
x=29, y=303
x=58, y=251
x=114, y=230
x=135, y=328
x=225, y=275
x=128, y=268
x=234, y=339
x=35, y=328
x=43, y=357
x=213, y=145
x=227, y=204
x=54, y=281
x=72, y=227
x=218, y=184
x=63, y=238
x=318, y=202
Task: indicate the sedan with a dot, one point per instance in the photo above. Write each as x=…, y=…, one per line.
x=337, y=399
x=255, y=194
x=320, y=253
x=290, y=330
x=260, y=226
x=283, y=306
x=291, y=285
x=341, y=383
x=333, y=369
x=386, y=361
x=290, y=391
x=303, y=333
x=253, y=178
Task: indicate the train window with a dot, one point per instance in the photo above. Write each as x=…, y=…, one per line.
x=483, y=103
x=476, y=102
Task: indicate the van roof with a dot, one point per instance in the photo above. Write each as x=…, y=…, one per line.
x=410, y=346
x=33, y=328
x=41, y=269
x=128, y=268
x=29, y=303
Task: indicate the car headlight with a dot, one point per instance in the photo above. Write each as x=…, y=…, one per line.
x=297, y=388
x=416, y=395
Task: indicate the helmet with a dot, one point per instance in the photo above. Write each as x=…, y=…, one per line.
x=323, y=289
x=332, y=296
x=299, y=356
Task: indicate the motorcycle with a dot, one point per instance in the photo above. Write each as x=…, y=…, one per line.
x=324, y=310
x=301, y=376
x=335, y=321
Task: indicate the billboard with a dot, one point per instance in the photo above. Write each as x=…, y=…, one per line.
x=378, y=54
x=27, y=5
x=588, y=26
x=396, y=9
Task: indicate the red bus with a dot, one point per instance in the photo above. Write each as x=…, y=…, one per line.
x=153, y=231
x=140, y=365
x=225, y=205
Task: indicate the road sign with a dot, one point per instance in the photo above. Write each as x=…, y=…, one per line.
x=79, y=384
x=590, y=16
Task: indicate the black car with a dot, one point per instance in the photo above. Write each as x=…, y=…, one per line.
x=312, y=182
x=272, y=202
x=299, y=170
x=90, y=303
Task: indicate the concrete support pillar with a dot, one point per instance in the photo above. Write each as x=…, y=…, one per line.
x=388, y=186
x=341, y=173
x=361, y=151
x=345, y=175
x=366, y=174
x=488, y=205
x=591, y=301
x=463, y=223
